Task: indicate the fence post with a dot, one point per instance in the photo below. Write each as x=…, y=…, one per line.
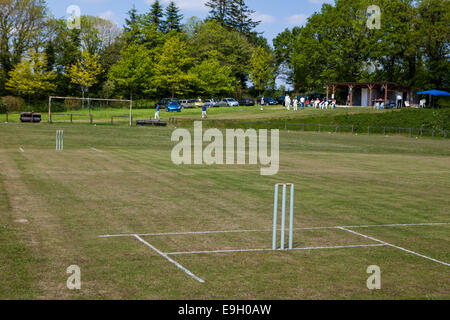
x=250, y=124
x=384, y=130
x=337, y=129
x=319, y=127
x=285, y=125
x=303, y=127
x=71, y=118
x=268, y=125
x=6, y=116
x=445, y=134
x=91, y=118
x=432, y=134
x=112, y=119
x=232, y=124
x=214, y=124
x=368, y=131
x=410, y=132
x=421, y=132
x=353, y=128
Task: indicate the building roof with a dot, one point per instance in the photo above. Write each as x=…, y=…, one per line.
x=390, y=85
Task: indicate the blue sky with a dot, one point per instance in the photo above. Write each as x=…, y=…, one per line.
x=275, y=15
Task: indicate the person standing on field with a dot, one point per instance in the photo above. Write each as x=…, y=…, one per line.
x=262, y=104
x=295, y=104
x=302, y=103
x=204, y=115
x=287, y=102
x=157, y=112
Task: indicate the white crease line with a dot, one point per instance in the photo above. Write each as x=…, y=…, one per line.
x=394, y=246
x=97, y=150
x=267, y=230
x=262, y=250
x=169, y=259
x=21, y=150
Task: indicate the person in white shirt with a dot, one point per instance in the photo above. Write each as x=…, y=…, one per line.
x=399, y=101
x=302, y=103
x=295, y=104
x=287, y=102
x=262, y=104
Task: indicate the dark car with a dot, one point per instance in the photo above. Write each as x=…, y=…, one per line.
x=280, y=100
x=270, y=101
x=164, y=102
x=247, y=102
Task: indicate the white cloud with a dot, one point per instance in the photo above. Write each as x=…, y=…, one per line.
x=320, y=1
x=297, y=19
x=108, y=15
x=190, y=5
x=264, y=18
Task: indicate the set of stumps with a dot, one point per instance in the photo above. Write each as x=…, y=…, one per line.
x=283, y=216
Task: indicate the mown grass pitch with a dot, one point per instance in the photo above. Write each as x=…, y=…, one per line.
x=119, y=180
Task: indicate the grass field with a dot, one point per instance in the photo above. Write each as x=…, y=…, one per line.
x=114, y=180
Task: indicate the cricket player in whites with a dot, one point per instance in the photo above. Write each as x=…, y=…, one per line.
x=157, y=112
x=287, y=102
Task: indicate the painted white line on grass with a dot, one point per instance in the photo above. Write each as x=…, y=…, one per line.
x=97, y=150
x=21, y=150
x=169, y=259
x=270, y=230
x=394, y=246
x=265, y=250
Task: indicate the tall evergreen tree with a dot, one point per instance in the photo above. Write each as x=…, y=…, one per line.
x=156, y=14
x=131, y=28
x=240, y=17
x=219, y=10
x=173, y=18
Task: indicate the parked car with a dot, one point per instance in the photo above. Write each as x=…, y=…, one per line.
x=247, y=102
x=164, y=102
x=173, y=106
x=228, y=102
x=280, y=100
x=211, y=103
x=198, y=102
x=270, y=101
x=187, y=103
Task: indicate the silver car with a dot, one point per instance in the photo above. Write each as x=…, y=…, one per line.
x=187, y=103
x=228, y=102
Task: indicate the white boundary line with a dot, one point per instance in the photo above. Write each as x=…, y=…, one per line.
x=394, y=246
x=21, y=149
x=262, y=250
x=267, y=230
x=97, y=150
x=169, y=259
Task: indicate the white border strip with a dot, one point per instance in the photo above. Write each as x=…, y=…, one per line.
x=262, y=250
x=169, y=259
x=21, y=149
x=394, y=246
x=267, y=230
x=97, y=150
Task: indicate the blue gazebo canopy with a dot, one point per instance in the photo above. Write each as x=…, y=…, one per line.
x=435, y=93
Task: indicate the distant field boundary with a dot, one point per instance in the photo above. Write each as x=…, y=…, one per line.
x=311, y=127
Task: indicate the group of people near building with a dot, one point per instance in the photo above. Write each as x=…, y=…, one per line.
x=305, y=102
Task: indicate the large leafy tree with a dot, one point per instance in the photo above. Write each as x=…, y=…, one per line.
x=85, y=71
x=21, y=23
x=228, y=46
x=214, y=79
x=262, y=69
x=171, y=69
x=31, y=76
x=133, y=69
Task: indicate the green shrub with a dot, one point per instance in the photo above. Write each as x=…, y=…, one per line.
x=13, y=104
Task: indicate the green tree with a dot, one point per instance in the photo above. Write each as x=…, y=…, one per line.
x=31, y=76
x=85, y=71
x=173, y=18
x=214, y=79
x=262, y=69
x=219, y=10
x=133, y=69
x=154, y=17
x=240, y=17
x=131, y=27
x=232, y=49
x=171, y=69
x=21, y=25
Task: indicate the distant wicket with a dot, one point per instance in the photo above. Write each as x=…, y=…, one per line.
x=59, y=140
x=283, y=216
